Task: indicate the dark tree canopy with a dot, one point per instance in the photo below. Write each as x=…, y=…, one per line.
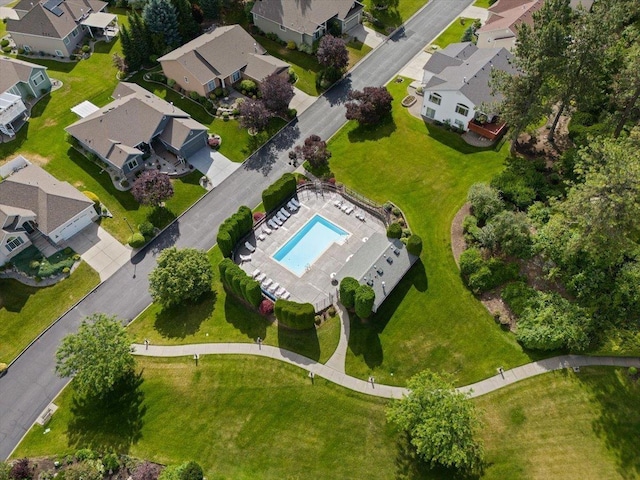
x=136, y=42
x=277, y=92
x=152, y=188
x=254, y=115
x=333, y=53
x=99, y=355
x=180, y=276
x=369, y=106
x=314, y=150
x=188, y=27
x=161, y=18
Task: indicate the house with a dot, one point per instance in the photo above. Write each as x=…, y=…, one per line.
x=58, y=27
x=305, y=21
x=126, y=131
x=456, y=83
x=33, y=203
x=219, y=58
x=506, y=16
x=19, y=82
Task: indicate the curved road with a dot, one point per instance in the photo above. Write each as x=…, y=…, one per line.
x=31, y=383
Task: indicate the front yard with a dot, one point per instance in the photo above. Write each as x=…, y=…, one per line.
x=454, y=32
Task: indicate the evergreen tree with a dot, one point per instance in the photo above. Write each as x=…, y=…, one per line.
x=187, y=25
x=131, y=53
x=210, y=9
x=140, y=38
x=161, y=19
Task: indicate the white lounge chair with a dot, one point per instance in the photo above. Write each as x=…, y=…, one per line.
x=338, y=203
x=261, y=277
x=348, y=210
x=344, y=207
x=266, y=230
x=286, y=295
x=249, y=247
x=267, y=282
x=280, y=291
x=292, y=207
x=273, y=287
x=261, y=236
x=245, y=258
x=277, y=220
x=272, y=224
x=256, y=273
x=281, y=217
x=284, y=212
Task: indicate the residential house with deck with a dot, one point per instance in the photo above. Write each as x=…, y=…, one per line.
x=305, y=21
x=35, y=206
x=130, y=129
x=456, y=87
x=218, y=59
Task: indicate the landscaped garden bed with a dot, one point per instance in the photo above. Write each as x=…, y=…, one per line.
x=32, y=263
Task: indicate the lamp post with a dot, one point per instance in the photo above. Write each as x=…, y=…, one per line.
x=128, y=225
x=196, y=357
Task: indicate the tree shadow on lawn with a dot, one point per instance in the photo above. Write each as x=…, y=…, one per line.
x=180, y=322
x=10, y=149
x=364, y=338
x=363, y=133
x=40, y=106
x=303, y=342
x=52, y=65
x=161, y=217
x=247, y=322
x=619, y=421
x=14, y=295
x=110, y=423
x=104, y=47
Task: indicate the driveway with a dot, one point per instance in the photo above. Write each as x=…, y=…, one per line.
x=100, y=250
x=301, y=101
x=214, y=165
x=31, y=383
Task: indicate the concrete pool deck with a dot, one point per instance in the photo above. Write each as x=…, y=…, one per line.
x=314, y=285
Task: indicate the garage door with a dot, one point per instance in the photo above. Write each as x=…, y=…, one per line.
x=74, y=226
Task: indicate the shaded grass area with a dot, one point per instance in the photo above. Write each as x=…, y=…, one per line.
x=26, y=311
x=454, y=32
x=219, y=317
x=564, y=425
x=394, y=17
x=430, y=320
x=239, y=417
x=357, y=51
x=482, y=3
x=31, y=262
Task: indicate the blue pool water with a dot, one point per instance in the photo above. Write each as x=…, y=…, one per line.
x=308, y=244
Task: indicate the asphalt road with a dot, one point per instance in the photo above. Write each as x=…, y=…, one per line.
x=31, y=383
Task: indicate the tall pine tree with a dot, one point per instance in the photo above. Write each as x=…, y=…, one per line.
x=161, y=19
x=187, y=25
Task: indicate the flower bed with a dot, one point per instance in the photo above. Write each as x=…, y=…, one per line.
x=408, y=101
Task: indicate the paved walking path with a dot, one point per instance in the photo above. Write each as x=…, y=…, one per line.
x=334, y=375
x=339, y=357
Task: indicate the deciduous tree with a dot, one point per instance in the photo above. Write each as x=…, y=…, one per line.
x=152, y=188
x=369, y=106
x=254, y=115
x=180, y=276
x=99, y=355
x=314, y=150
x=441, y=423
x=277, y=92
x=333, y=53
x=485, y=201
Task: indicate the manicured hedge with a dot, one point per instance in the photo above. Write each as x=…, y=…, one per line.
x=364, y=298
x=136, y=240
x=233, y=229
x=93, y=197
x=394, y=230
x=414, y=245
x=279, y=191
x=237, y=281
x=295, y=315
x=348, y=287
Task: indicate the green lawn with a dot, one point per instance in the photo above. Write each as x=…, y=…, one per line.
x=431, y=320
x=26, y=311
x=220, y=318
x=482, y=3
x=239, y=417
x=394, y=17
x=357, y=51
x=453, y=33
x=564, y=426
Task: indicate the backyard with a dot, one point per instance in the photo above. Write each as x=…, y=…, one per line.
x=26, y=311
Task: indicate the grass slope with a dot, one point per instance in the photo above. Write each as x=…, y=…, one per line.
x=239, y=417
x=26, y=311
x=431, y=320
x=220, y=318
x=564, y=426
x=453, y=33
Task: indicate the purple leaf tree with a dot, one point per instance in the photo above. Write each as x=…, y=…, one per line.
x=332, y=53
x=152, y=188
x=369, y=106
x=314, y=150
x=277, y=92
x=254, y=115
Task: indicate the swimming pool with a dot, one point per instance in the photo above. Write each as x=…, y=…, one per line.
x=311, y=241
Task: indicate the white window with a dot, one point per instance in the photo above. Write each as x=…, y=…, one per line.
x=66, y=40
x=458, y=124
x=13, y=243
x=75, y=33
x=27, y=48
x=430, y=113
x=59, y=53
x=38, y=79
x=435, y=98
x=462, y=109
x=283, y=28
x=211, y=85
x=316, y=34
x=132, y=163
x=235, y=77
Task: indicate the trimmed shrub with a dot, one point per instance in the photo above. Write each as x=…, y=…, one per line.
x=237, y=281
x=111, y=463
x=414, y=245
x=171, y=82
x=147, y=229
x=191, y=471
x=364, y=298
x=93, y=197
x=633, y=371
x=86, y=49
x=21, y=470
x=291, y=45
x=85, y=454
x=248, y=86
x=279, y=191
x=253, y=292
x=257, y=216
x=194, y=95
x=299, y=316
x=233, y=229
x=470, y=262
x=4, y=42
x=266, y=307
x=136, y=240
x=348, y=287
x=394, y=230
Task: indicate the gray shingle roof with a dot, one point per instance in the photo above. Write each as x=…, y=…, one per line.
x=54, y=202
x=14, y=71
x=115, y=130
x=41, y=22
x=379, y=254
x=221, y=52
x=466, y=68
x=305, y=16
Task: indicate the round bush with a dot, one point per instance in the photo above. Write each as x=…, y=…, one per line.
x=6, y=49
x=86, y=48
x=191, y=471
x=136, y=240
x=632, y=371
x=266, y=307
x=364, y=299
x=34, y=264
x=348, y=287
x=258, y=216
x=147, y=229
x=394, y=230
x=66, y=270
x=4, y=42
x=414, y=245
